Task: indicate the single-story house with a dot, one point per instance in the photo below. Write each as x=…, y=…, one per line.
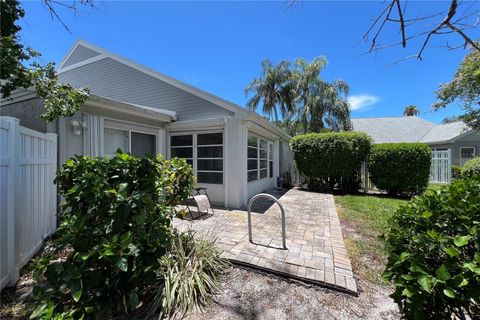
x=462, y=141
x=234, y=152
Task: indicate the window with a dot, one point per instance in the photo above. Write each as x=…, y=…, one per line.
x=210, y=158
x=258, y=158
x=137, y=143
x=203, y=151
x=270, y=160
x=115, y=139
x=466, y=153
x=182, y=147
x=143, y=144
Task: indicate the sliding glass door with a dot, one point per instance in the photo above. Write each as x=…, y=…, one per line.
x=139, y=144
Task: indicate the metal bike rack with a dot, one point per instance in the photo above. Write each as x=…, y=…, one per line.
x=249, y=207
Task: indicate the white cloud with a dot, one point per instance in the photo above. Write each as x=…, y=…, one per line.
x=361, y=101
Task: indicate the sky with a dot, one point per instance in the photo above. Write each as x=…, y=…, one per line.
x=218, y=46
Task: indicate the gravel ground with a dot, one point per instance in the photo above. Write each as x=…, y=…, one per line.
x=249, y=294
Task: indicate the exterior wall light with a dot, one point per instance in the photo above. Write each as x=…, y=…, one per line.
x=77, y=127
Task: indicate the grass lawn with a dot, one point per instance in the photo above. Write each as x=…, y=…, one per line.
x=364, y=218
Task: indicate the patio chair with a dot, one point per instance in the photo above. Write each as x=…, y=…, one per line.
x=201, y=201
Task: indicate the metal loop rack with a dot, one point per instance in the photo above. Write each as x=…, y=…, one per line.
x=282, y=210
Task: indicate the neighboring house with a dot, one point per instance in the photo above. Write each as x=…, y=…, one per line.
x=463, y=142
x=234, y=152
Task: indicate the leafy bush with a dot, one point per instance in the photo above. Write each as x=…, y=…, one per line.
x=116, y=227
x=456, y=172
x=190, y=272
x=400, y=167
x=329, y=159
x=433, y=250
x=471, y=168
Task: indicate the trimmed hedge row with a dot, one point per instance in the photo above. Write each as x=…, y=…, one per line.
x=331, y=159
x=400, y=167
x=456, y=172
x=471, y=168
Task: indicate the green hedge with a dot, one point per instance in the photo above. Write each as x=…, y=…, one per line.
x=456, y=172
x=471, y=168
x=433, y=253
x=400, y=167
x=115, y=228
x=330, y=159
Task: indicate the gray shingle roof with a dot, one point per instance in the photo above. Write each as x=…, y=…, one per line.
x=408, y=129
x=445, y=132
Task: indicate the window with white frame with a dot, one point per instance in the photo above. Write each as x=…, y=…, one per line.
x=466, y=153
x=270, y=160
x=259, y=155
x=137, y=143
x=204, y=151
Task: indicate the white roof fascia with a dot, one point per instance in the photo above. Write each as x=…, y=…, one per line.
x=196, y=124
x=131, y=109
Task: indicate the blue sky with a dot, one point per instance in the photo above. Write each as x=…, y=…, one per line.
x=218, y=46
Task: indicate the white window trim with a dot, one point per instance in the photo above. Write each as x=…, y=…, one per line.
x=258, y=158
x=195, y=152
x=460, y=155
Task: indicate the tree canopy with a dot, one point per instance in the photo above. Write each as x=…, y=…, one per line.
x=464, y=87
x=296, y=90
x=20, y=68
x=411, y=110
x=274, y=88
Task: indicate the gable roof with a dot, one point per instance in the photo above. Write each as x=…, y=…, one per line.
x=92, y=53
x=409, y=129
x=446, y=132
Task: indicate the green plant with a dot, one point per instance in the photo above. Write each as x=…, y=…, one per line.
x=400, y=167
x=433, y=249
x=115, y=227
x=190, y=273
x=471, y=168
x=456, y=172
x=20, y=68
x=330, y=159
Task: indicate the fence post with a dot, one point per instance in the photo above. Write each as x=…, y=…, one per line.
x=13, y=273
x=365, y=171
x=53, y=169
x=449, y=166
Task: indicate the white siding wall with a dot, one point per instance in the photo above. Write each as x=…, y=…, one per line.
x=81, y=53
x=28, y=195
x=112, y=79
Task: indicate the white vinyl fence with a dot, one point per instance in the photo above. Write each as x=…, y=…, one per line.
x=441, y=167
x=28, y=160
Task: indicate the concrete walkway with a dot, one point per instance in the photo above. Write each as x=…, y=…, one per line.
x=315, y=249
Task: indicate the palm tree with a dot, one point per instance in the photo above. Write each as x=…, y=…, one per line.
x=274, y=88
x=306, y=76
x=319, y=102
x=411, y=110
x=331, y=107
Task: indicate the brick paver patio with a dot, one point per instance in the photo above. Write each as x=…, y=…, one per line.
x=315, y=249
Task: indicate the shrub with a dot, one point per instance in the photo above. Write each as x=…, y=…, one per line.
x=433, y=253
x=456, y=172
x=471, y=168
x=329, y=159
x=400, y=167
x=116, y=227
x=190, y=273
